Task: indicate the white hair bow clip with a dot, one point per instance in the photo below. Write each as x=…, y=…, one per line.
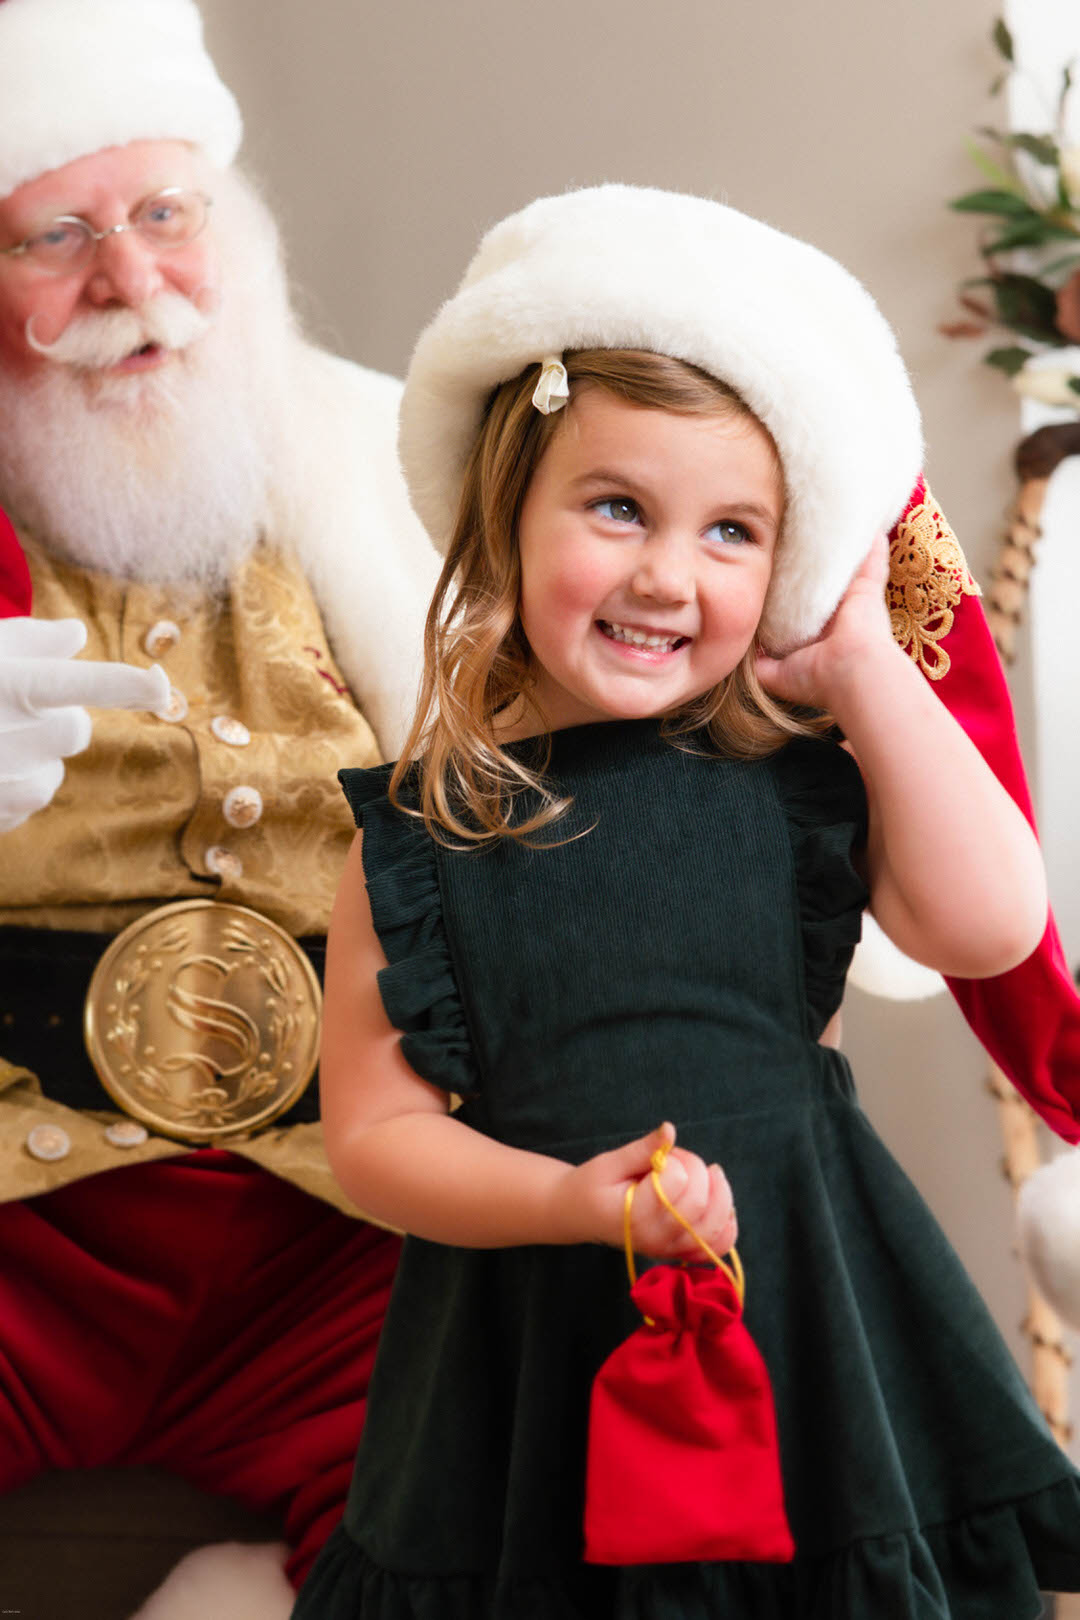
x=553, y=390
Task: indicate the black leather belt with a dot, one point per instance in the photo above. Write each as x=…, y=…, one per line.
x=44, y=977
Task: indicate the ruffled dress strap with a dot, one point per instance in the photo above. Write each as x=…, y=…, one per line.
x=824, y=799
x=419, y=990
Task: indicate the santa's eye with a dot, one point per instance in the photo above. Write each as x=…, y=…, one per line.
x=61, y=242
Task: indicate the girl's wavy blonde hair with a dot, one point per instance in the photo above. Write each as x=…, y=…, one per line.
x=477, y=661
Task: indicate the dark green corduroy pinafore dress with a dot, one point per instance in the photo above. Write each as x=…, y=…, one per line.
x=678, y=961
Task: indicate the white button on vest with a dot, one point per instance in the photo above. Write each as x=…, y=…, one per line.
x=126, y=1133
x=176, y=708
x=222, y=862
x=228, y=730
x=161, y=637
x=48, y=1142
x=242, y=806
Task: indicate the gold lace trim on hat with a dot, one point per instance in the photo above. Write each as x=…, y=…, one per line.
x=928, y=575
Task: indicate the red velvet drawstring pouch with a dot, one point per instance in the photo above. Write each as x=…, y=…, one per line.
x=683, y=1461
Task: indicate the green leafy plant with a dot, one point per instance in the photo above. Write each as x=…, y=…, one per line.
x=1030, y=241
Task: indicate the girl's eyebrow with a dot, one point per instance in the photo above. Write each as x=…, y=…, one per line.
x=752, y=509
x=601, y=475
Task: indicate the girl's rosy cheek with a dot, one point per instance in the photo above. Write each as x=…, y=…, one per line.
x=588, y=581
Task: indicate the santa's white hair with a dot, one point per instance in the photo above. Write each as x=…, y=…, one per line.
x=160, y=475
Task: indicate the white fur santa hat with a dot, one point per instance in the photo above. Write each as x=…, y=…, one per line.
x=787, y=327
x=80, y=75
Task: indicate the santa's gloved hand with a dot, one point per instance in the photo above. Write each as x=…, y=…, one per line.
x=42, y=718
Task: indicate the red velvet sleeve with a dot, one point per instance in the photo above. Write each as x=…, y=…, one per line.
x=14, y=574
x=1029, y=1018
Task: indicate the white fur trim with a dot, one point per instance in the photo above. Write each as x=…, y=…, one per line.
x=880, y=968
x=786, y=326
x=80, y=75
x=340, y=502
x=1048, y=1216
x=227, y=1581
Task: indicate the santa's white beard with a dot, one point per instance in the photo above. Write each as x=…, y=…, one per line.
x=160, y=475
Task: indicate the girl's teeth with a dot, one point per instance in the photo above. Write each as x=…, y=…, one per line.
x=639, y=638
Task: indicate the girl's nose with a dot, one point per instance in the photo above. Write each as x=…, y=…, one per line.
x=125, y=271
x=663, y=571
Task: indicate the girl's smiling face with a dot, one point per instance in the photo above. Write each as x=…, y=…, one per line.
x=646, y=542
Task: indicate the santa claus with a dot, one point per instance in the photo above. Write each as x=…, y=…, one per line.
x=227, y=588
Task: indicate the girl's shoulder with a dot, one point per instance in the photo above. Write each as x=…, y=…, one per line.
x=418, y=986
x=820, y=784
x=815, y=779
x=820, y=789
x=362, y=787
x=395, y=837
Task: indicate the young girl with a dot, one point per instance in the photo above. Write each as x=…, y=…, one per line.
x=608, y=898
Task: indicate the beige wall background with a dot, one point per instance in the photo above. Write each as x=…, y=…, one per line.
x=389, y=135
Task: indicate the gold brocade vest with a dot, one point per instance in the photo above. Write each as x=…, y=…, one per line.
x=233, y=799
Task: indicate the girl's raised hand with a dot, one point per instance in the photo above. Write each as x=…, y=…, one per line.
x=859, y=628
x=595, y=1195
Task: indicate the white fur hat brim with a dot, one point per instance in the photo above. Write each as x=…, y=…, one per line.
x=77, y=76
x=783, y=324
x=1048, y=1219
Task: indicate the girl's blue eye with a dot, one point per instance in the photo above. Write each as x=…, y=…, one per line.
x=730, y=533
x=619, y=508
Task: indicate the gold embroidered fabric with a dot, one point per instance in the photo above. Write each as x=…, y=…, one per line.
x=928, y=575
x=248, y=769
x=139, y=813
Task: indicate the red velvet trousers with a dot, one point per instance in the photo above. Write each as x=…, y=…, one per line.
x=201, y=1316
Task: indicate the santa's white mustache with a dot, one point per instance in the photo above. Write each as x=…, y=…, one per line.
x=93, y=341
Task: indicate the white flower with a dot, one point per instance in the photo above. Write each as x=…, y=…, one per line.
x=1070, y=173
x=1048, y=384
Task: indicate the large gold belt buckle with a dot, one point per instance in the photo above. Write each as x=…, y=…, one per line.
x=202, y=1020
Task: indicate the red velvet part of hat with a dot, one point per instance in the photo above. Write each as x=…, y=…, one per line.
x=1029, y=1018
x=14, y=574
x=683, y=1461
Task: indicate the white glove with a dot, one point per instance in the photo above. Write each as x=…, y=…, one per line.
x=42, y=720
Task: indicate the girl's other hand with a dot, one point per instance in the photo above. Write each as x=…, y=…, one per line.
x=595, y=1198
x=858, y=631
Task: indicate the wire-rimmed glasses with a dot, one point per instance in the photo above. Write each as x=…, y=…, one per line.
x=169, y=219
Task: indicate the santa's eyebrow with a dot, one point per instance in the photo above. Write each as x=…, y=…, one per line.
x=40, y=219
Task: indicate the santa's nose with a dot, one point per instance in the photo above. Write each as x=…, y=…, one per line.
x=125, y=271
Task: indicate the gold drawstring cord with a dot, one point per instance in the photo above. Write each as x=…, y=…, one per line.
x=734, y=1272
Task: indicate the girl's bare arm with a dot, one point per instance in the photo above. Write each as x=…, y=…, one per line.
x=956, y=878
x=955, y=874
